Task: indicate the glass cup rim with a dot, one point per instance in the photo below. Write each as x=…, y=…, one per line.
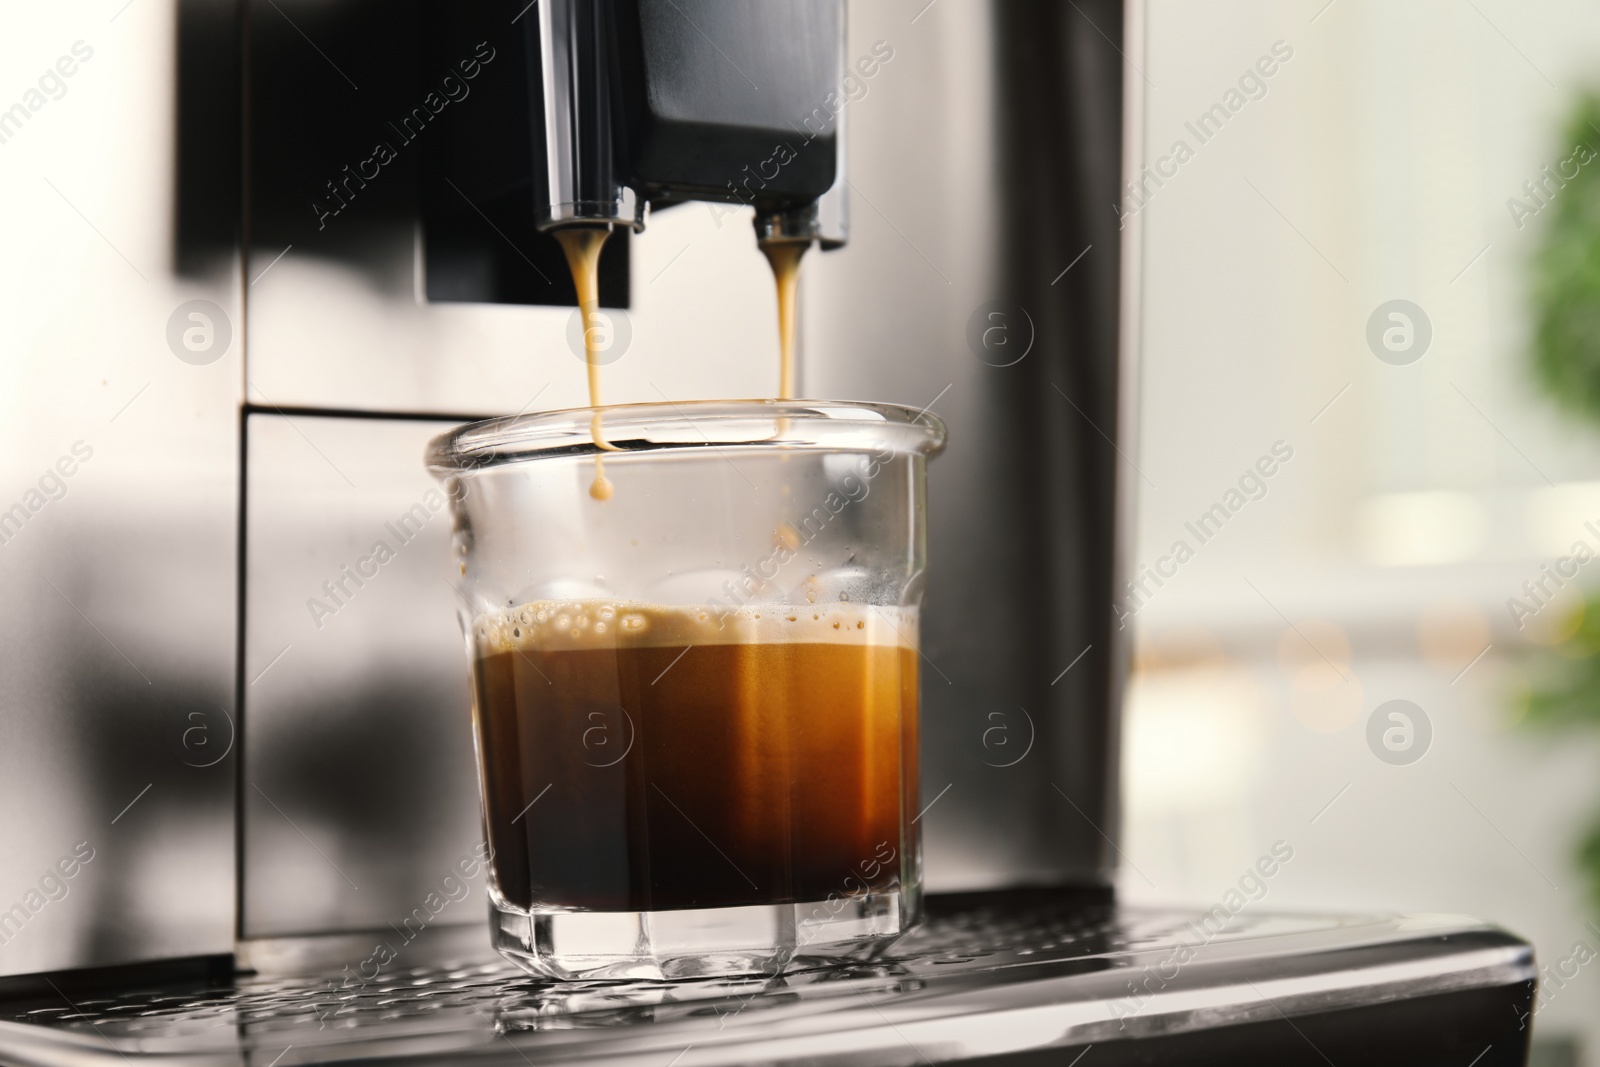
x=687, y=427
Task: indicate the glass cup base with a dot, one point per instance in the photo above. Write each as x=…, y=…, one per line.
x=699, y=943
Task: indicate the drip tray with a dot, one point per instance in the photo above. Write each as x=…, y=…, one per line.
x=1024, y=976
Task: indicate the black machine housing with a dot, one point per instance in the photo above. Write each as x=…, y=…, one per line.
x=601, y=110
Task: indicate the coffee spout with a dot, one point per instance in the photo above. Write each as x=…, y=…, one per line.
x=637, y=106
x=580, y=82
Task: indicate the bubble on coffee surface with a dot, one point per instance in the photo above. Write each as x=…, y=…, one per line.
x=548, y=625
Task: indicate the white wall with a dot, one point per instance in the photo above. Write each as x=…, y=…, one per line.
x=1378, y=563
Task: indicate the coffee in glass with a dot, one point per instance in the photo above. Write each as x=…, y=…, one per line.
x=695, y=702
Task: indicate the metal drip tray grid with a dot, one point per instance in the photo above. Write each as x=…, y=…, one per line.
x=985, y=975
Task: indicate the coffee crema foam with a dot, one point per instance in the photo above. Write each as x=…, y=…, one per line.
x=551, y=625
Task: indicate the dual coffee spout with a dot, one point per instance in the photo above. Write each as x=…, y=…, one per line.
x=650, y=103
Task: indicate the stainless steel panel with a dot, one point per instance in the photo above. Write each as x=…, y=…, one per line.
x=337, y=316
x=359, y=791
x=118, y=501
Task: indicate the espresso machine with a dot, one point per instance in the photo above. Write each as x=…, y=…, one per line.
x=239, y=759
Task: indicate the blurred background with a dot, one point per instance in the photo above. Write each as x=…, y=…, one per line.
x=1386, y=160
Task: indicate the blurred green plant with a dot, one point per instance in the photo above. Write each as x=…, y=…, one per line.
x=1566, y=294
x=1565, y=696
x=1566, y=363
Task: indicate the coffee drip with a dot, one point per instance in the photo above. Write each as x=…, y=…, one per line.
x=785, y=259
x=582, y=245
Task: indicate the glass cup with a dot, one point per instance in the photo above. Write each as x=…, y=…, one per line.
x=695, y=702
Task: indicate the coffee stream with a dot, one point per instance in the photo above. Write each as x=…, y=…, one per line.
x=582, y=245
x=785, y=259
